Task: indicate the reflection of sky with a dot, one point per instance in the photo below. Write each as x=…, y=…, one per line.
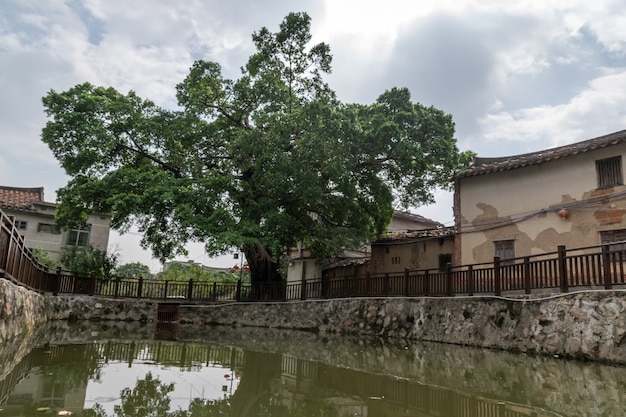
x=205, y=383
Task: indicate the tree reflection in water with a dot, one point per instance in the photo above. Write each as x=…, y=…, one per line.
x=253, y=397
x=272, y=373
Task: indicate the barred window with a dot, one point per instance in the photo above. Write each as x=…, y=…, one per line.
x=609, y=172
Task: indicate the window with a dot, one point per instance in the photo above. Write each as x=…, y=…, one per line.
x=79, y=236
x=609, y=172
x=505, y=250
x=20, y=224
x=47, y=228
x=395, y=260
x=611, y=236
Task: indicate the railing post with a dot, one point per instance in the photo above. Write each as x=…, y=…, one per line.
x=562, y=266
x=57, y=284
x=238, y=293
x=165, y=289
x=190, y=289
x=303, y=289
x=368, y=284
x=386, y=290
x=116, y=290
x=214, y=294
x=497, y=285
x=606, y=267
x=449, y=279
x=527, y=288
x=426, y=284
x=92, y=284
x=406, y=282
x=140, y=287
x=470, y=280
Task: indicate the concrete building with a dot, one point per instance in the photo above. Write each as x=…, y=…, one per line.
x=34, y=219
x=303, y=266
x=528, y=204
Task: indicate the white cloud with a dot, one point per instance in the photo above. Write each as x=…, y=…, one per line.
x=517, y=76
x=597, y=110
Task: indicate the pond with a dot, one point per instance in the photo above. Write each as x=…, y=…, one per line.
x=126, y=369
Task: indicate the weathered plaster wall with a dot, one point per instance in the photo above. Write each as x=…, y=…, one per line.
x=522, y=204
x=417, y=254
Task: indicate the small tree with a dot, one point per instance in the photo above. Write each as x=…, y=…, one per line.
x=180, y=271
x=133, y=270
x=88, y=260
x=44, y=258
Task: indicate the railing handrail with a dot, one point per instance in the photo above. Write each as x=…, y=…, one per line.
x=601, y=265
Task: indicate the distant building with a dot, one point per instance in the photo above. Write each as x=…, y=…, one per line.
x=34, y=219
x=302, y=266
x=417, y=249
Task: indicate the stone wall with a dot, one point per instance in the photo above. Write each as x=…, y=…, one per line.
x=21, y=311
x=585, y=325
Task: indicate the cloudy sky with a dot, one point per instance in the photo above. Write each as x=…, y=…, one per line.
x=516, y=76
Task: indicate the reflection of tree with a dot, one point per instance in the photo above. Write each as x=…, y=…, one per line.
x=253, y=396
x=257, y=395
x=148, y=398
x=204, y=408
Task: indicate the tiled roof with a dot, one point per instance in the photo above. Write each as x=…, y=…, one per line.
x=413, y=217
x=20, y=198
x=416, y=235
x=488, y=165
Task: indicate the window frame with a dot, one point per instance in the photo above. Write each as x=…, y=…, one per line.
x=79, y=236
x=500, y=250
x=612, y=236
x=20, y=224
x=609, y=172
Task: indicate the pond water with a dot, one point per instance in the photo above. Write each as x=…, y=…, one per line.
x=125, y=369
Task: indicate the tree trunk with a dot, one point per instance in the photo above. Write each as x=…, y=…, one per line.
x=267, y=284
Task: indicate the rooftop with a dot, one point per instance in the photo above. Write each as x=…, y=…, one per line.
x=20, y=198
x=418, y=235
x=488, y=165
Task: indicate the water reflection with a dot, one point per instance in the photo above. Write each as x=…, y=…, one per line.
x=102, y=369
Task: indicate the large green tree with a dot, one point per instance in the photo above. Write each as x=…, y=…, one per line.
x=258, y=163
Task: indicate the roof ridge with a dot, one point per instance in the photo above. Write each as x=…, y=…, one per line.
x=494, y=164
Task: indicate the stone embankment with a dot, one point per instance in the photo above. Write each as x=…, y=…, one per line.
x=21, y=310
x=586, y=325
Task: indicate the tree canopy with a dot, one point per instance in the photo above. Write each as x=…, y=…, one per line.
x=258, y=163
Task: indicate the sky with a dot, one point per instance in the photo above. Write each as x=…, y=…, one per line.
x=517, y=76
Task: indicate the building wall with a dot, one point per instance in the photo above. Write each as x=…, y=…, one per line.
x=523, y=204
x=54, y=243
x=420, y=254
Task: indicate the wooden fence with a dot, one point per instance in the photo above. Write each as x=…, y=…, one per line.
x=594, y=267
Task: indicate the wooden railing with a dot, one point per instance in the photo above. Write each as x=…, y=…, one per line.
x=593, y=267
